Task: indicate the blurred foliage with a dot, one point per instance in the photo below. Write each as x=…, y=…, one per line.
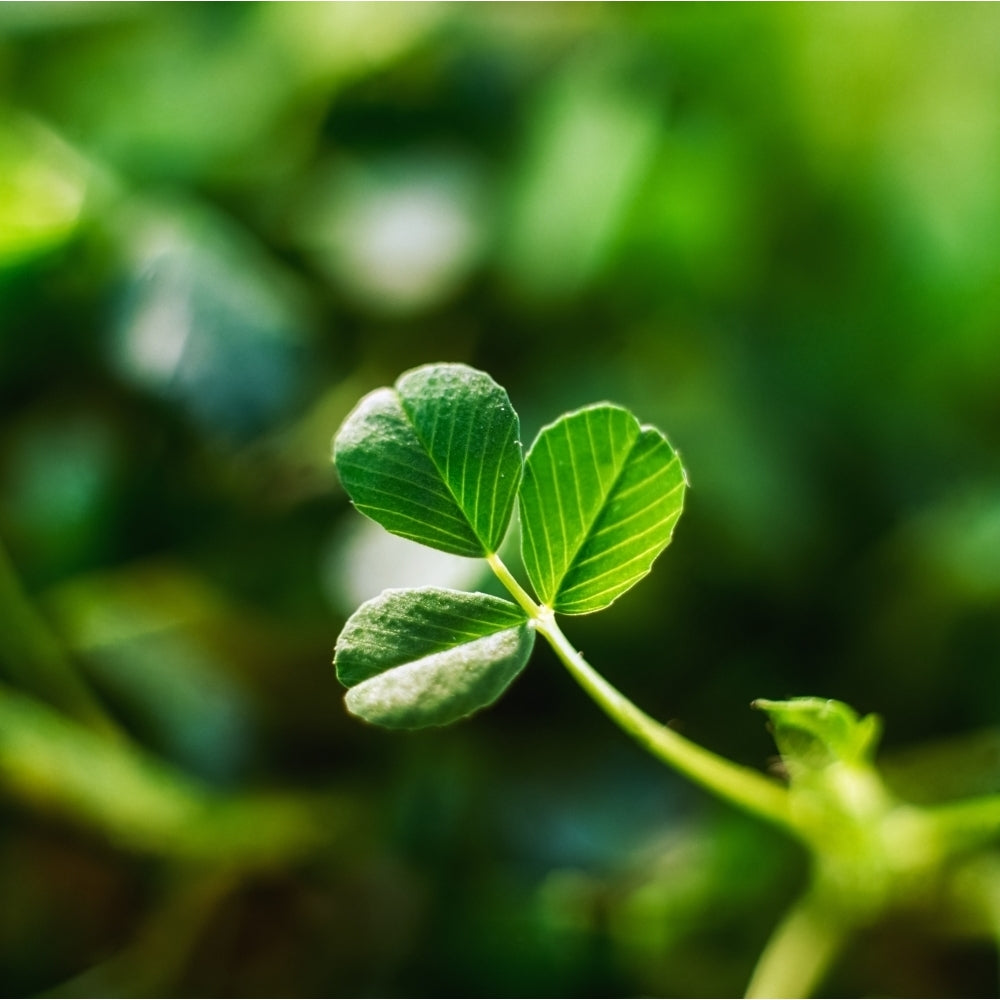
x=771, y=230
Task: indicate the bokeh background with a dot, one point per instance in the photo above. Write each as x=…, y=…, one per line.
x=774, y=231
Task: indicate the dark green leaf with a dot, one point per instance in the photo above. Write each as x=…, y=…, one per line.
x=428, y=657
x=436, y=458
x=599, y=501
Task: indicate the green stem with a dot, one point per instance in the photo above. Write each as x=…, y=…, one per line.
x=800, y=950
x=738, y=785
x=531, y=609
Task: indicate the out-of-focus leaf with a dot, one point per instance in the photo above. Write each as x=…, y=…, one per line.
x=209, y=92
x=813, y=733
x=414, y=658
x=139, y=803
x=959, y=540
x=32, y=657
x=331, y=43
x=42, y=188
x=100, y=610
x=209, y=321
x=590, y=141
x=200, y=96
x=148, y=634
x=599, y=502
x=436, y=458
x=57, y=487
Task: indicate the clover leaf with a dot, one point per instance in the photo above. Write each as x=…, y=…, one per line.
x=436, y=458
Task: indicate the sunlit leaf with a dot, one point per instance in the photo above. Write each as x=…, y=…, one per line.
x=436, y=458
x=414, y=658
x=599, y=502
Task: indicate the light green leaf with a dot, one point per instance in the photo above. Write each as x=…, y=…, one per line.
x=813, y=733
x=599, y=501
x=427, y=657
x=43, y=185
x=590, y=142
x=436, y=458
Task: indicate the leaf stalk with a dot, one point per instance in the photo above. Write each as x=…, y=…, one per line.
x=741, y=786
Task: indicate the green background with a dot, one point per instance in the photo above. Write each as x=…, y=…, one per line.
x=770, y=230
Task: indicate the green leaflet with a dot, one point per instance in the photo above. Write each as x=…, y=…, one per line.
x=436, y=458
x=428, y=657
x=600, y=498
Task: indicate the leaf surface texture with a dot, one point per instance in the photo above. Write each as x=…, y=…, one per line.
x=599, y=501
x=435, y=458
x=428, y=657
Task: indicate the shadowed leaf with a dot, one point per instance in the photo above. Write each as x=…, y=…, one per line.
x=414, y=658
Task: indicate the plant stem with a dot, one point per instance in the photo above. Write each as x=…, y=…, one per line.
x=531, y=609
x=800, y=950
x=738, y=785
